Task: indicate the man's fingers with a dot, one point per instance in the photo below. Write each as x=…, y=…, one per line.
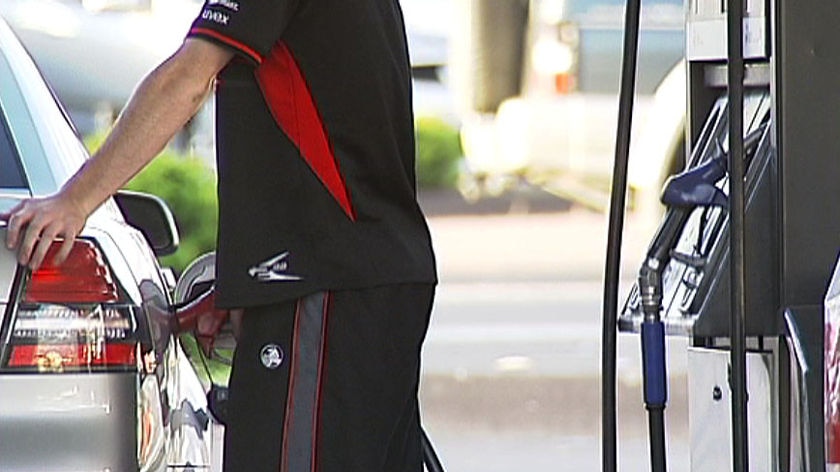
x=66, y=246
x=37, y=237
x=42, y=245
x=17, y=220
x=38, y=240
x=28, y=238
x=11, y=232
x=40, y=250
x=34, y=224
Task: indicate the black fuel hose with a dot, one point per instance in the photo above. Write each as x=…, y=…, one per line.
x=735, y=80
x=656, y=432
x=430, y=458
x=614, y=237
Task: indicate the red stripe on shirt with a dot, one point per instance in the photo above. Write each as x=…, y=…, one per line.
x=230, y=42
x=291, y=103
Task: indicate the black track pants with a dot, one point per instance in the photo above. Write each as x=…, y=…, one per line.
x=328, y=383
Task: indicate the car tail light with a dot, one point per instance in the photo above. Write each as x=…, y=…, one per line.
x=71, y=317
x=82, y=278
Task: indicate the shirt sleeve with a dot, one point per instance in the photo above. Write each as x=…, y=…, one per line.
x=249, y=27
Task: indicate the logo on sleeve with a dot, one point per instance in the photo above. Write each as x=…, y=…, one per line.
x=273, y=270
x=229, y=4
x=215, y=17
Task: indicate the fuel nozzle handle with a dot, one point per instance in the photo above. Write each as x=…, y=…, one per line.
x=654, y=373
x=658, y=255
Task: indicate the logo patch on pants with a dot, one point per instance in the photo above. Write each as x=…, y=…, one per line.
x=271, y=356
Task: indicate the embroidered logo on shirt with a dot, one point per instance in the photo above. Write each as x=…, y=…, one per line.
x=273, y=270
x=271, y=356
x=215, y=17
x=229, y=4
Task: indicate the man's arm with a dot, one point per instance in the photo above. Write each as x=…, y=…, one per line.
x=160, y=106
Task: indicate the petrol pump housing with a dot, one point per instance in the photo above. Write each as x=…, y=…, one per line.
x=791, y=111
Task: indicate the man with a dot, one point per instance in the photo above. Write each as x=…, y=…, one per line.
x=320, y=238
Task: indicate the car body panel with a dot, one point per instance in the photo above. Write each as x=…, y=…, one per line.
x=72, y=422
x=163, y=393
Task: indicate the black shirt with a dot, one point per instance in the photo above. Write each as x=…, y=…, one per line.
x=315, y=149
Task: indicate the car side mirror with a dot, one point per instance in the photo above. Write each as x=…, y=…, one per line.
x=152, y=216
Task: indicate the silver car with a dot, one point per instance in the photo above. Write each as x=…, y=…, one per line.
x=92, y=377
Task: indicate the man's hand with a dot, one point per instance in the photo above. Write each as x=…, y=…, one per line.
x=35, y=223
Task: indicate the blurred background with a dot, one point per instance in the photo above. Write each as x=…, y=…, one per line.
x=516, y=109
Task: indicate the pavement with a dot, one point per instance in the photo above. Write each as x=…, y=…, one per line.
x=525, y=236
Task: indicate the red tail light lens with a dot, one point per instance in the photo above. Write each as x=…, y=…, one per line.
x=82, y=278
x=71, y=318
x=56, y=358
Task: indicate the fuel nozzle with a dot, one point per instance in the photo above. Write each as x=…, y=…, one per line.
x=650, y=288
x=696, y=186
x=658, y=256
x=653, y=329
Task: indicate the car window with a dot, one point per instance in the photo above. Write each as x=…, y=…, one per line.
x=11, y=174
x=48, y=147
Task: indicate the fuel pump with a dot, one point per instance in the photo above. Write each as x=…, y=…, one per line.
x=741, y=263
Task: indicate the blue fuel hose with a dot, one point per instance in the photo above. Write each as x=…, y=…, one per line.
x=653, y=361
x=655, y=389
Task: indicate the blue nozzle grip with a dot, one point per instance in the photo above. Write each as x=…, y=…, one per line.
x=653, y=364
